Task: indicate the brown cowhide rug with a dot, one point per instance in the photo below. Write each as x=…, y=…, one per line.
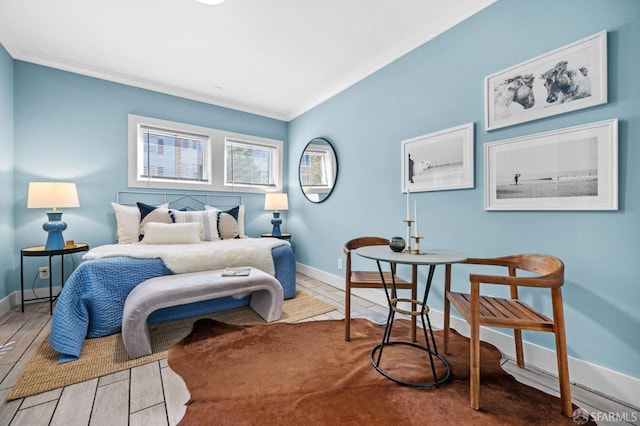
x=306, y=374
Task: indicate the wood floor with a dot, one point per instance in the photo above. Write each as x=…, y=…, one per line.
x=153, y=394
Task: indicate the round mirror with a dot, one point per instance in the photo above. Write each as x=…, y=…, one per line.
x=318, y=170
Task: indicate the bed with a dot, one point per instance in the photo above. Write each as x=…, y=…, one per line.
x=179, y=233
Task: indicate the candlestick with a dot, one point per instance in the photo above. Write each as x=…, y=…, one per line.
x=415, y=210
x=408, y=209
x=408, y=248
x=417, y=249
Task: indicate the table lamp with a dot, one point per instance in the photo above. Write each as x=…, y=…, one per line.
x=53, y=195
x=276, y=202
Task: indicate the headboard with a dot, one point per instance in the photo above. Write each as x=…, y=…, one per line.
x=180, y=200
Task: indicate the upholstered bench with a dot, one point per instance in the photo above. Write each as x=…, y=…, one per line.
x=180, y=289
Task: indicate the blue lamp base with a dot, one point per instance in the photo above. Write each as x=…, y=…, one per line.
x=276, y=222
x=54, y=227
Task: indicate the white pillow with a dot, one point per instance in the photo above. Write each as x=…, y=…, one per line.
x=240, y=218
x=128, y=222
x=228, y=227
x=171, y=233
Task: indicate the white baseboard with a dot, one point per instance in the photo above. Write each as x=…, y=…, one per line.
x=5, y=304
x=591, y=376
x=13, y=299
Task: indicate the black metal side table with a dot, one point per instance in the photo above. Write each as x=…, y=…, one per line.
x=39, y=251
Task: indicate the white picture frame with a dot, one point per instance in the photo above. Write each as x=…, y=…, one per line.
x=574, y=168
x=438, y=161
x=566, y=79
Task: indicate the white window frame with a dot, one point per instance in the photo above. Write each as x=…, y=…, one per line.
x=215, y=157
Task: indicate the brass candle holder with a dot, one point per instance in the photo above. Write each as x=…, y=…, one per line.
x=417, y=249
x=409, y=222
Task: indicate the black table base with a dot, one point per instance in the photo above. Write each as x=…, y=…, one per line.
x=432, y=357
x=430, y=343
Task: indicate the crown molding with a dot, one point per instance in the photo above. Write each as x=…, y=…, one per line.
x=129, y=80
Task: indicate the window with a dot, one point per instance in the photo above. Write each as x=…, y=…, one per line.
x=249, y=164
x=170, y=155
x=314, y=168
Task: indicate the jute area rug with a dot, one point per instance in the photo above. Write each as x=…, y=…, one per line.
x=306, y=374
x=106, y=355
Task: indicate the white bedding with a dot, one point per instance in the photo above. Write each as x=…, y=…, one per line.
x=204, y=256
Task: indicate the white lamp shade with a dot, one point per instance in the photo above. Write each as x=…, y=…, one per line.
x=52, y=195
x=276, y=202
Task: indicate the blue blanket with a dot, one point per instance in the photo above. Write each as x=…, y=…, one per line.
x=92, y=300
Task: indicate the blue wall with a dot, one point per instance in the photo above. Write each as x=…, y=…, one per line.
x=440, y=85
x=70, y=127
x=65, y=126
x=7, y=247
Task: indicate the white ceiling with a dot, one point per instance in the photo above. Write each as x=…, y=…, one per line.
x=277, y=58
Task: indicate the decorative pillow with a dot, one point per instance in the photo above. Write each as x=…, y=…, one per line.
x=151, y=214
x=240, y=218
x=128, y=222
x=171, y=233
x=207, y=218
x=228, y=227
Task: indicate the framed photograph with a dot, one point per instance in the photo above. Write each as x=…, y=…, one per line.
x=439, y=161
x=566, y=79
x=569, y=169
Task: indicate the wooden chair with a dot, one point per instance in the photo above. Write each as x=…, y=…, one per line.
x=371, y=279
x=480, y=310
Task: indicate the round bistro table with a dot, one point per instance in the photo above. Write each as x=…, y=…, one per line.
x=430, y=258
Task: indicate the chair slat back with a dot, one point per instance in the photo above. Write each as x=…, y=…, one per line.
x=365, y=241
x=549, y=269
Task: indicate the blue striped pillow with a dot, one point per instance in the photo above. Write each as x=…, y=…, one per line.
x=208, y=219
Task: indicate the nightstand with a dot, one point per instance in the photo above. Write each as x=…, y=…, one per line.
x=39, y=251
x=285, y=236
